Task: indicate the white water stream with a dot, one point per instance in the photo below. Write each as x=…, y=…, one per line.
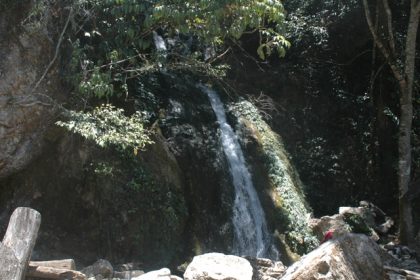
x=251, y=236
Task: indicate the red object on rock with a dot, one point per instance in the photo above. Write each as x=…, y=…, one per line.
x=328, y=235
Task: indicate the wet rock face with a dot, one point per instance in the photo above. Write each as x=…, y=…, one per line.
x=190, y=127
x=86, y=215
x=25, y=112
x=175, y=201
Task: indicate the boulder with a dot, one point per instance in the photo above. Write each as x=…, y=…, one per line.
x=217, y=266
x=162, y=274
x=266, y=269
x=348, y=257
x=325, y=223
x=368, y=219
x=101, y=267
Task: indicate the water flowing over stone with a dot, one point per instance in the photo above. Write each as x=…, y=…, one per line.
x=159, y=43
x=251, y=236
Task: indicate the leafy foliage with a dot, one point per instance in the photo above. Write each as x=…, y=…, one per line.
x=114, y=43
x=107, y=126
x=112, y=47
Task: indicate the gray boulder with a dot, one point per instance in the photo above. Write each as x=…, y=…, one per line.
x=101, y=267
x=266, y=269
x=216, y=266
x=162, y=274
x=348, y=257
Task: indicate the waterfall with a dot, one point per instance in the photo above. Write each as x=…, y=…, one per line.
x=159, y=43
x=251, y=236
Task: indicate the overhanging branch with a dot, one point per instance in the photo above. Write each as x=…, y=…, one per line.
x=57, y=49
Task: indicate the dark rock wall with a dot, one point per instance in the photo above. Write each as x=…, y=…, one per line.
x=25, y=112
x=170, y=202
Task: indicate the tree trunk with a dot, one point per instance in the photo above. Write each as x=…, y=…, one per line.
x=405, y=79
x=405, y=127
x=404, y=166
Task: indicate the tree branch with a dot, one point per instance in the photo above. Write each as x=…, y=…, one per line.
x=57, y=49
x=220, y=56
x=389, y=23
x=373, y=74
x=388, y=57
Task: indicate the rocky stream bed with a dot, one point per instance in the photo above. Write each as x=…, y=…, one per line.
x=359, y=245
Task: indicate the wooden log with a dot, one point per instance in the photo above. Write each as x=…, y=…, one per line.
x=63, y=264
x=54, y=273
x=8, y=263
x=409, y=275
x=20, y=238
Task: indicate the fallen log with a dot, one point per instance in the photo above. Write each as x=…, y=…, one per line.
x=54, y=273
x=63, y=264
x=18, y=242
x=409, y=275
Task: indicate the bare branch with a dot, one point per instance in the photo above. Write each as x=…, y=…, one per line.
x=33, y=104
x=249, y=56
x=385, y=52
x=118, y=62
x=373, y=75
x=220, y=56
x=5, y=125
x=372, y=81
x=57, y=49
x=389, y=24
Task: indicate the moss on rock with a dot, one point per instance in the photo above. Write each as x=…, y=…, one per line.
x=285, y=188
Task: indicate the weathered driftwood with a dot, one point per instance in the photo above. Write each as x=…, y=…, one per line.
x=63, y=264
x=18, y=243
x=54, y=273
x=409, y=275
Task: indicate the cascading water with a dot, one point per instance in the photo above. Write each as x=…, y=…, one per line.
x=251, y=236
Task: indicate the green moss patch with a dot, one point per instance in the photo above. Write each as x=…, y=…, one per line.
x=292, y=210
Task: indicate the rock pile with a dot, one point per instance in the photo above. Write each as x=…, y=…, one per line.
x=347, y=255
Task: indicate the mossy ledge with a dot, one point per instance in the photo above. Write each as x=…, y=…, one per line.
x=285, y=188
